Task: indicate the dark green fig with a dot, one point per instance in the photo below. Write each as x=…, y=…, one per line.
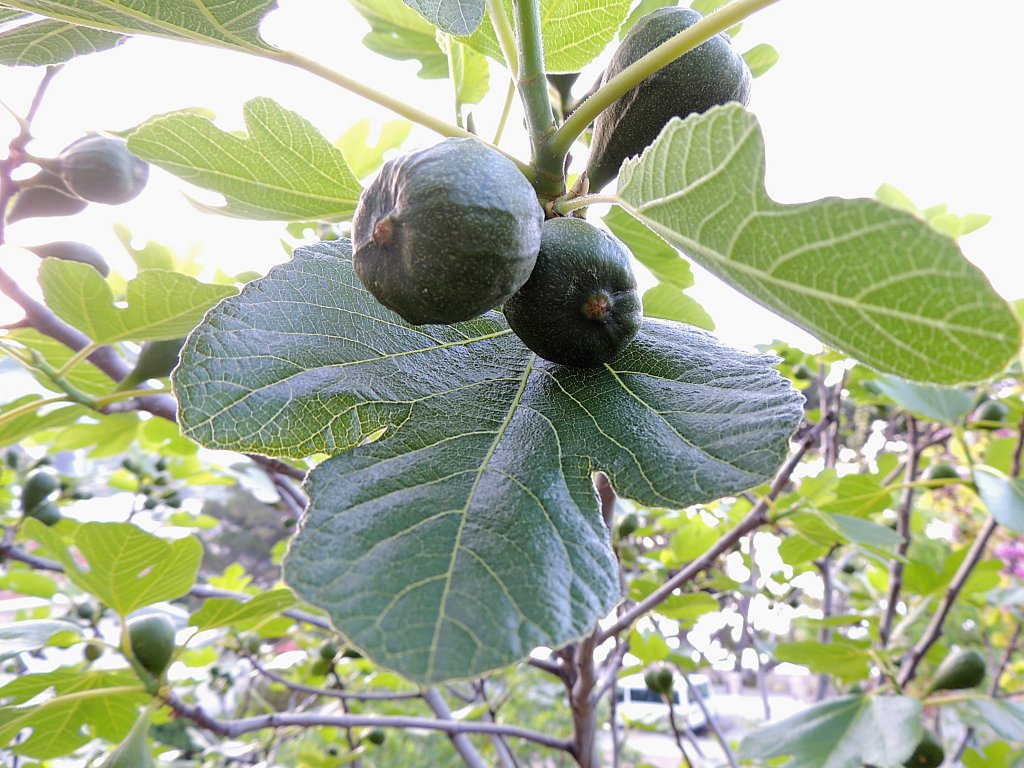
x=92, y=651
x=958, y=671
x=711, y=74
x=328, y=651
x=928, y=753
x=351, y=653
x=563, y=83
x=69, y=250
x=941, y=471
x=156, y=360
x=152, y=642
x=102, y=170
x=376, y=736
x=45, y=194
x=989, y=412
x=659, y=680
x=37, y=487
x=580, y=306
x=445, y=233
x=134, y=751
x=321, y=667
x=628, y=524
x=47, y=513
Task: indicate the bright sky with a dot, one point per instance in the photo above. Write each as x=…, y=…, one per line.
x=922, y=94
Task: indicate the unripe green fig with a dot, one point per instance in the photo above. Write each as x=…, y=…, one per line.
x=47, y=513
x=712, y=73
x=100, y=169
x=69, y=250
x=628, y=524
x=959, y=670
x=152, y=643
x=351, y=653
x=134, y=751
x=45, y=194
x=37, y=487
x=989, y=412
x=928, y=753
x=580, y=306
x=376, y=736
x=92, y=651
x=321, y=667
x=328, y=651
x=445, y=233
x=156, y=360
x=941, y=471
x=659, y=679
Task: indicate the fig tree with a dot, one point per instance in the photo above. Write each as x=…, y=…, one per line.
x=152, y=643
x=102, y=170
x=445, y=233
x=580, y=306
x=712, y=73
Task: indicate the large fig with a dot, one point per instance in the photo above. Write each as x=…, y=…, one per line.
x=446, y=233
x=102, y=170
x=712, y=73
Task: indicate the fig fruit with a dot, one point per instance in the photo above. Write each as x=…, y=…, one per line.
x=102, y=170
x=38, y=486
x=928, y=753
x=990, y=412
x=155, y=361
x=580, y=306
x=152, y=643
x=958, y=671
x=69, y=250
x=712, y=73
x=941, y=471
x=445, y=233
x=659, y=680
x=47, y=513
x=45, y=194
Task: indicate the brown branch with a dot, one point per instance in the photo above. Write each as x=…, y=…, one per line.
x=235, y=728
x=754, y=519
x=904, y=532
x=460, y=741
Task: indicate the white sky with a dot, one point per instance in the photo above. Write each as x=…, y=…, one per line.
x=923, y=94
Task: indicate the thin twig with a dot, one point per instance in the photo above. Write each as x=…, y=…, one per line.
x=459, y=740
x=903, y=530
x=754, y=519
x=712, y=721
x=333, y=693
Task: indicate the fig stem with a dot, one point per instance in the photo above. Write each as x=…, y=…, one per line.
x=549, y=176
x=505, y=111
x=397, y=106
x=506, y=37
x=725, y=17
x=570, y=204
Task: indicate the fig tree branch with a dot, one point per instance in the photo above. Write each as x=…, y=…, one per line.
x=460, y=741
x=903, y=531
x=934, y=630
x=333, y=693
x=235, y=728
x=754, y=519
x=719, y=21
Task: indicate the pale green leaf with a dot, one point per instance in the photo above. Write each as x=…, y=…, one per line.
x=16, y=423
x=841, y=659
x=456, y=17
x=649, y=647
x=761, y=58
x=797, y=550
x=874, y=282
x=364, y=158
x=126, y=568
x=857, y=495
x=865, y=532
x=84, y=705
x=160, y=304
x=846, y=732
x=462, y=489
x=1004, y=497
x=687, y=608
x=574, y=33
x=48, y=42
x=232, y=24
x=283, y=169
x=20, y=636
x=945, y=404
x=1006, y=718
x=470, y=71
x=84, y=377
x=9, y=14
x=224, y=612
x=398, y=32
x=670, y=303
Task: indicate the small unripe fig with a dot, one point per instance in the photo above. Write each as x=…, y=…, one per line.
x=102, y=170
x=376, y=736
x=580, y=306
x=37, y=487
x=989, y=412
x=152, y=642
x=941, y=471
x=156, y=360
x=92, y=651
x=712, y=73
x=328, y=651
x=69, y=250
x=445, y=233
x=628, y=524
x=47, y=513
x=958, y=671
x=659, y=679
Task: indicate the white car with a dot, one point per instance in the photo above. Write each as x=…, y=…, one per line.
x=635, y=702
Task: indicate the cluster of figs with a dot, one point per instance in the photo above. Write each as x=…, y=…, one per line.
x=449, y=232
